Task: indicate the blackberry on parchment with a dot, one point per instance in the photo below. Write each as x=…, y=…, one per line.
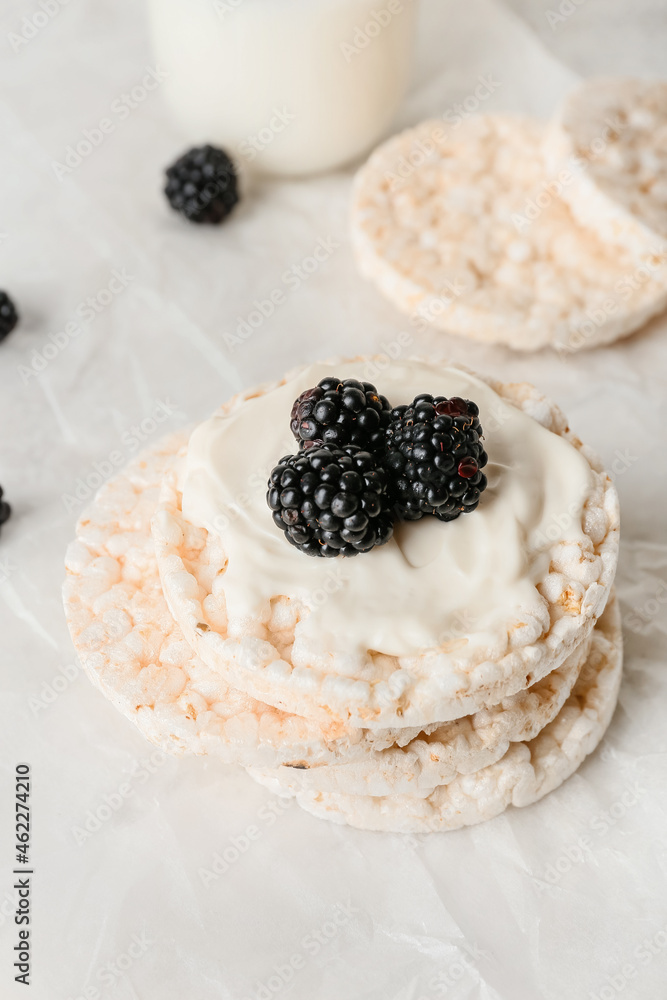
x=202, y=185
x=5, y=509
x=8, y=315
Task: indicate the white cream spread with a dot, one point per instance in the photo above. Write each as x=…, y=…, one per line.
x=433, y=582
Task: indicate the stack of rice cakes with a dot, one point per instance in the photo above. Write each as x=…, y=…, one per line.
x=432, y=742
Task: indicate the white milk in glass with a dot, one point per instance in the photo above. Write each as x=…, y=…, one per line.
x=289, y=86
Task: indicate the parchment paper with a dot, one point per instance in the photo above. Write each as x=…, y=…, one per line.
x=197, y=884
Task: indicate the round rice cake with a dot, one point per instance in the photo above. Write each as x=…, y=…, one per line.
x=137, y=656
x=266, y=658
x=466, y=230
x=462, y=746
x=610, y=140
x=526, y=773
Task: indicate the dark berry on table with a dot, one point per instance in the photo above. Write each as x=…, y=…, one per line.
x=8, y=315
x=331, y=501
x=203, y=185
x=435, y=458
x=341, y=412
x=5, y=509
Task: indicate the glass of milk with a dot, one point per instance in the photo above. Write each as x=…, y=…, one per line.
x=287, y=86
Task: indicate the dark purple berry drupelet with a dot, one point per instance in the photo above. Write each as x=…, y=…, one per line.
x=341, y=412
x=8, y=315
x=435, y=458
x=202, y=185
x=331, y=501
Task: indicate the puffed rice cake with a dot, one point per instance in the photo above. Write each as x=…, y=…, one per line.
x=526, y=773
x=610, y=138
x=435, y=685
x=467, y=230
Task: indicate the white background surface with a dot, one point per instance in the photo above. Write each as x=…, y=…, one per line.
x=515, y=909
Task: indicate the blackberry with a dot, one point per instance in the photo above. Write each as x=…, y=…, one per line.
x=8, y=315
x=331, y=501
x=202, y=185
x=435, y=458
x=5, y=509
x=340, y=412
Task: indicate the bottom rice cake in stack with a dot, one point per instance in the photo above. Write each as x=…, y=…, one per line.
x=456, y=650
